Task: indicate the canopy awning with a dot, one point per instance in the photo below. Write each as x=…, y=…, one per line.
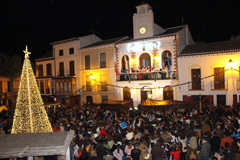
x=117, y=105
x=35, y=144
x=150, y=104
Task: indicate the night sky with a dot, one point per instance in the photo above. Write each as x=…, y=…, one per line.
x=37, y=23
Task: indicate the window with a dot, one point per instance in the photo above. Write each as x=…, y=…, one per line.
x=49, y=69
x=88, y=83
x=9, y=86
x=145, y=60
x=61, y=52
x=65, y=88
x=125, y=63
x=69, y=88
x=219, y=82
x=57, y=88
x=47, y=85
x=87, y=62
x=0, y=86
x=61, y=69
x=41, y=86
x=166, y=60
x=71, y=50
x=61, y=88
x=104, y=98
x=102, y=60
x=71, y=66
x=196, y=79
x=40, y=70
x=103, y=79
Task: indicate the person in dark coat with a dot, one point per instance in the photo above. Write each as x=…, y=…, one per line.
x=236, y=150
x=101, y=150
x=205, y=149
x=215, y=143
x=135, y=153
x=157, y=151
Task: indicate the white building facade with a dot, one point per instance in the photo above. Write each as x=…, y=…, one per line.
x=212, y=71
x=153, y=48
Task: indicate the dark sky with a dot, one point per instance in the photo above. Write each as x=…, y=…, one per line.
x=37, y=23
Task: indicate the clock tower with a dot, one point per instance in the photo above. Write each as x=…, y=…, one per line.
x=143, y=22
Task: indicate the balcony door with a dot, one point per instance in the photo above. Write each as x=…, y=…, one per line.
x=88, y=83
x=196, y=79
x=61, y=69
x=219, y=78
x=145, y=60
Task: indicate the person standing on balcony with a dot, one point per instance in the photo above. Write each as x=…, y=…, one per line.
x=144, y=69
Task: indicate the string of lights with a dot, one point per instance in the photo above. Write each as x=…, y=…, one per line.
x=181, y=84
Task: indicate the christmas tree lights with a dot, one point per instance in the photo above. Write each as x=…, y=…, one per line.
x=30, y=114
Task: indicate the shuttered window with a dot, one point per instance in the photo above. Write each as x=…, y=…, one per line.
x=40, y=70
x=87, y=62
x=102, y=60
x=49, y=69
x=71, y=66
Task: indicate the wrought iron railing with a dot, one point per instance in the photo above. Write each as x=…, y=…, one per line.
x=219, y=85
x=156, y=75
x=196, y=86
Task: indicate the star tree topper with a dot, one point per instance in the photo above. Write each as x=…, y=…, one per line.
x=26, y=52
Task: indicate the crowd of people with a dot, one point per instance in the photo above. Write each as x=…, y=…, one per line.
x=171, y=134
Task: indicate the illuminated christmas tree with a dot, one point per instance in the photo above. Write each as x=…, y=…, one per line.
x=30, y=115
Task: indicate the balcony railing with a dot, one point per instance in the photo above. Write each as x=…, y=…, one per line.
x=196, y=86
x=147, y=76
x=102, y=88
x=70, y=73
x=98, y=88
x=238, y=84
x=218, y=85
x=61, y=73
x=66, y=73
x=88, y=88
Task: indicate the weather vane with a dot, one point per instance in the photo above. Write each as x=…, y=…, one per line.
x=26, y=52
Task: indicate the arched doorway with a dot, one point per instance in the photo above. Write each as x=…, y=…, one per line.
x=126, y=93
x=168, y=93
x=166, y=60
x=145, y=60
x=146, y=92
x=125, y=63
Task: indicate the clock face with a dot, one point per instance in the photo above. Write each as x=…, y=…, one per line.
x=142, y=30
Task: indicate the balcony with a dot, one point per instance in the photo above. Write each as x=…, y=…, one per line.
x=238, y=84
x=196, y=86
x=65, y=73
x=98, y=88
x=70, y=73
x=164, y=75
x=60, y=73
x=218, y=85
x=88, y=88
